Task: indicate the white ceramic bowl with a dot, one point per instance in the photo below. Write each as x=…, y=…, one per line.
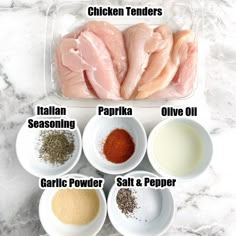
x=96, y=132
x=27, y=147
x=154, y=214
x=206, y=146
x=54, y=227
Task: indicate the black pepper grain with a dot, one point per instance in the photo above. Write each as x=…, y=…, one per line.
x=126, y=201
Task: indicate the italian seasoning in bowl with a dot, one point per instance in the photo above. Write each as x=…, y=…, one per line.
x=48, y=152
x=57, y=146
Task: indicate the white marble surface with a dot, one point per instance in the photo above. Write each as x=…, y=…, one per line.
x=205, y=206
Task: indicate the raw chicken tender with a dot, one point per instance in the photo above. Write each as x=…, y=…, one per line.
x=160, y=57
x=140, y=42
x=86, y=58
x=73, y=84
x=182, y=84
x=113, y=40
x=101, y=76
x=178, y=54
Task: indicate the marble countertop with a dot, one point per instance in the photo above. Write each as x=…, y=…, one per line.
x=206, y=206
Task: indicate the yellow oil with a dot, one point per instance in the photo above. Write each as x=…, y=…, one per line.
x=177, y=148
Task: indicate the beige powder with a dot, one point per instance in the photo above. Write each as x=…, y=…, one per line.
x=75, y=206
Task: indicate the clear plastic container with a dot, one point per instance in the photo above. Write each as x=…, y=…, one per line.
x=64, y=17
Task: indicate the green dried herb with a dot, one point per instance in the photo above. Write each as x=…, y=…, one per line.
x=57, y=146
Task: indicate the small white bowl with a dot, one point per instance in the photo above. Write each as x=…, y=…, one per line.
x=96, y=132
x=27, y=149
x=154, y=214
x=206, y=147
x=54, y=227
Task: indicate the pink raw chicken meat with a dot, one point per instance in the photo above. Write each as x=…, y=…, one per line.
x=88, y=58
x=113, y=40
x=183, y=82
x=178, y=54
x=160, y=57
x=73, y=84
x=101, y=76
x=140, y=42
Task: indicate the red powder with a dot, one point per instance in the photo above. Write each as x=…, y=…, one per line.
x=119, y=146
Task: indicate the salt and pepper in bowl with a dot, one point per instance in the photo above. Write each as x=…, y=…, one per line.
x=136, y=211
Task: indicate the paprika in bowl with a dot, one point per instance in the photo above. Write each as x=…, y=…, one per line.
x=114, y=145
